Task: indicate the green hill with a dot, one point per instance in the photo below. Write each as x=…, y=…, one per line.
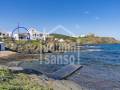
x=88, y=39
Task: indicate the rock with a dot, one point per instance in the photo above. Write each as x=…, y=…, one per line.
x=64, y=85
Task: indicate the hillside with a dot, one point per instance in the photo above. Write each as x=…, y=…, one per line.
x=92, y=39
x=88, y=39
x=61, y=36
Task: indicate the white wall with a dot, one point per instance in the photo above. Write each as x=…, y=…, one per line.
x=16, y=36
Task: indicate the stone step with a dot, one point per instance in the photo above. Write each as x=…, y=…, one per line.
x=65, y=72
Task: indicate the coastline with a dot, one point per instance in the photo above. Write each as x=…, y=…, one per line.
x=89, y=77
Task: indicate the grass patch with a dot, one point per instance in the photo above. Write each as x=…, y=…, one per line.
x=11, y=81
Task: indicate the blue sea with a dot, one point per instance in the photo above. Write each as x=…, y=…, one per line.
x=101, y=67
x=105, y=54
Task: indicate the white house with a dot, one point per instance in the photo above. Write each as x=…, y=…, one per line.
x=32, y=34
x=82, y=35
x=2, y=46
x=36, y=35
x=2, y=34
x=16, y=36
x=61, y=40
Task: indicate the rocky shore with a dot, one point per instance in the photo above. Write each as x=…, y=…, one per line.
x=39, y=82
x=7, y=59
x=87, y=78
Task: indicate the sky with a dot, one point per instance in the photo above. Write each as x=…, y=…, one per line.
x=101, y=17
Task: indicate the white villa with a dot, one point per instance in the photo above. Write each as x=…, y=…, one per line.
x=32, y=34
x=36, y=35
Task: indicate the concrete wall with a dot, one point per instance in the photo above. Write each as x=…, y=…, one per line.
x=2, y=47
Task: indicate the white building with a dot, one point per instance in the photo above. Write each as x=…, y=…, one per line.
x=2, y=34
x=32, y=34
x=16, y=36
x=9, y=34
x=2, y=46
x=36, y=35
x=82, y=35
x=61, y=40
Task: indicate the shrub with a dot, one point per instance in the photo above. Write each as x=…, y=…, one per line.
x=11, y=81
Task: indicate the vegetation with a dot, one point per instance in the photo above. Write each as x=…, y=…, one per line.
x=11, y=81
x=65, y=37
x=92, y=39
x=88, y=39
